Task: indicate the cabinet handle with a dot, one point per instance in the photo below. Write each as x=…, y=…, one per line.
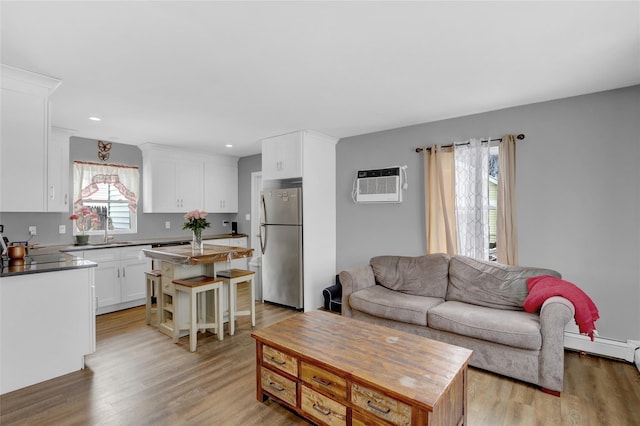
x=52, y=192
x=278, y=388
x=66, y=199
x=118, y=272
x=322, y=382
x=378, y=409
x=124, y=272
x=278, y=361
x=322, y=410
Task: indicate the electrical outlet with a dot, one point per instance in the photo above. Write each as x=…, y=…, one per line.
x=225, y=222
x=32, y=230
x=167, y=225
x=62, y=229
x=247, y=217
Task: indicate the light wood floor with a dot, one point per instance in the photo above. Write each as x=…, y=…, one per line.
x=139, y=377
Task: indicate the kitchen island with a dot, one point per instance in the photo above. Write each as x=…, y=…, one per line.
x=182, y=262
x=47, y=318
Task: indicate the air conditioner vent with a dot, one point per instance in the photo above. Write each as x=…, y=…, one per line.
x=378, y=186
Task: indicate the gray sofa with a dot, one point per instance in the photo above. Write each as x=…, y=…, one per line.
x=468, y=303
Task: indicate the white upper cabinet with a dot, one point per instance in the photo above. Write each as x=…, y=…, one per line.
x=172, y=180
x=58, y=196
x=178, y=181
x=24, y=140
x=282, y=156
x=221, y=185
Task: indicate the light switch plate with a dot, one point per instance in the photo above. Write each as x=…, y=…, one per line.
x=167, y=225
x=247, y=217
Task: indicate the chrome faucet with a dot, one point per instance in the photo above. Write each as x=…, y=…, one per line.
x=107, y=222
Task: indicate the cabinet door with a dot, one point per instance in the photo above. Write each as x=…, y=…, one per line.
x=282, y=156
x=107, y=276
x=189, y=184
x=132, y=279
x=58, y=171
x=161, y=179
x=221, y=188
x=23, y=152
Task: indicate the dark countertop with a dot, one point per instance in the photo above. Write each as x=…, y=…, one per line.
x=167, y=241
x=33, y=264
x=60, y=257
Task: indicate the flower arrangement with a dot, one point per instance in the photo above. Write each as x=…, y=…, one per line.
x=196, y=221
x=85, y=218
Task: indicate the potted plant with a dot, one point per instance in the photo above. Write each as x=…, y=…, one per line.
x=85, y=219
x=196, y=221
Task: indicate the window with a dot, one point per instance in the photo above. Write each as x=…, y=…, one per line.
x=494, y=153
x=110, y=191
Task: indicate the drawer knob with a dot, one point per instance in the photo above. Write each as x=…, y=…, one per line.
x=322, y=410
x=278, y=361
x=378, y=409
x=276, y=387
x=322, y=382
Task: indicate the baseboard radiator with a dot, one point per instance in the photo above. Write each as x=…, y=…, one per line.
x=628, y=351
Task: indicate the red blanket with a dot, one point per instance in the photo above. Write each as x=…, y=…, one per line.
x=543, y=287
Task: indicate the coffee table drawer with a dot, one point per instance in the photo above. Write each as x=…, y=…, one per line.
x=280, y=360
x=358, y=419
x=322, y=408
x=380, y=405
x=279, y=386
x=324, y=381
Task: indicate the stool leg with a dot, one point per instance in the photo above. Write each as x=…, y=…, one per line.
x=148, y=301
x=232, y=307
x=252, y=301
x=176, y=315
x=219, y=311
x=193, y=327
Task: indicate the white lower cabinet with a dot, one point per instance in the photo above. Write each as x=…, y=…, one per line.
x=119, y=277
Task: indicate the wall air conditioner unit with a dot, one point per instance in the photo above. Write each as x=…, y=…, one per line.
x=378, y=186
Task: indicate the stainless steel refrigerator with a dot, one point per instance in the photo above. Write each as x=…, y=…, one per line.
x=281, y=244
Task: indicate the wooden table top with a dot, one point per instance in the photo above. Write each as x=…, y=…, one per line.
x=406, y=364
x=211, y=254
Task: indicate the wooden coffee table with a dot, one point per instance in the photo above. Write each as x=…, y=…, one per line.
x=335, y=370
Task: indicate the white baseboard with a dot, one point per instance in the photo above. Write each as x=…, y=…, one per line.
x=603, y=347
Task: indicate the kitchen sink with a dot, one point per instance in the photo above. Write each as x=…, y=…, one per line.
x=111, y=244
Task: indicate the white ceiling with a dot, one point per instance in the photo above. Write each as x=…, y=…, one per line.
x=204, y=74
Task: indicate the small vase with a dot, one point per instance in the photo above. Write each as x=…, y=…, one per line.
x=196, y=244
x=82, y=240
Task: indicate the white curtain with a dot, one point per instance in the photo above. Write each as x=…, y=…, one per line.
x=472, y=198
x=87, y=175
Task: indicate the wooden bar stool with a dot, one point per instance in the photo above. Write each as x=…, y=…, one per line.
x=194, y=287
x=233, y=277
x=153, y=288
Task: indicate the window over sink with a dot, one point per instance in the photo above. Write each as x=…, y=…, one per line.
x=109, y=190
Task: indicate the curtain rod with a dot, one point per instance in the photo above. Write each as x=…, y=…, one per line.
x=519, y=137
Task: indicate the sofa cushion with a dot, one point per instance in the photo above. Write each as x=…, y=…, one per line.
x=421, y=276
x=512, y=328
x=490, y=284
x=382, y=302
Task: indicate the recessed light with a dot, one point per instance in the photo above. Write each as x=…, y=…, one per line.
x=229, y=145
x=95, y=118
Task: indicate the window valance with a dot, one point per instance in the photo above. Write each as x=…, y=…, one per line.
x=87, y=176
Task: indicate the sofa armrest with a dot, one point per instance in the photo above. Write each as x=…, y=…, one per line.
x=353, y=280
x=555, y=313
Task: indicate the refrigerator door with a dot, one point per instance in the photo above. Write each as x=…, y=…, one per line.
x=281, y=206
x=282, y=265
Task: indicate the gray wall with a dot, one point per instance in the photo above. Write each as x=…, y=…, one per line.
x=150, y=225
x=578, y=194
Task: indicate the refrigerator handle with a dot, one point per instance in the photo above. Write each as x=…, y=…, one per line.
x=263, y=239
x=263, y=206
